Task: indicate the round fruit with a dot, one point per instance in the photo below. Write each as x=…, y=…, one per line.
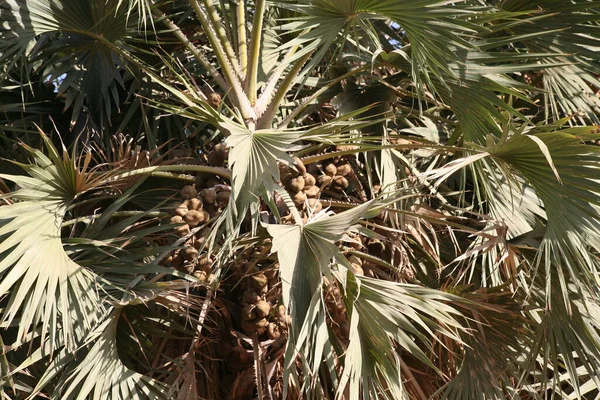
x=309, y=181
x=281, y=311
x=182, y=230
x=296, y=184
x=357, y=269
x=344, y=170
x=273, y=331
x=188, y=192
x=218, y=155
x=167, y=261
x=177, y=219
x=299, y=199
x=200, y=275
x=285, y=321
x=355, y=260
x=250, y=296
x=190, y=253
x=315, y=205
x=271, y=273
x=213, y=181
x=286, y=180
x=208, y=195
x=248, y=312
x=177, y=261
x=259, y=280
x=283, y=169
x=214, y=99
x=330, y=170
x=223, y=199
x=180, y=209
x=261, y=323
x=300, y=166
x=206, y=216
x=211, y=278
x=312, y=192
x=193, y=217
x=324, y=180
x=194, y=204
x=339, y=182
x=188, y=267
x=263, y=308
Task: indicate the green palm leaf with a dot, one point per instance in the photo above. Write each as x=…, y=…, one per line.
x=100, y=374
x=47, y=289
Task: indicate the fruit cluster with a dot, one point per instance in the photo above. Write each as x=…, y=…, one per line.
x=302, y=186
x=195, y=211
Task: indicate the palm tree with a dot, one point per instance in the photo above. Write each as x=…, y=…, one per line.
x=373, y=199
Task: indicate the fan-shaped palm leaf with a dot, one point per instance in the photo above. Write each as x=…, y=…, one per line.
x=46, y=287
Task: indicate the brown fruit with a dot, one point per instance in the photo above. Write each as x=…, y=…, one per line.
x=211, y=278
x=281, y=311
x=324, y=180
x=330, y=170
x=283, y=169
x=312, y=191
x=212, y=210
x=218, y=155
x=180, y=209
x=339, y=182
x=188, y=267
x=221, y=149
x=208, y=195
x=248, y=312
x=250, y=296
x=263, y=308
x=296, y=184
x=189, y=253
x=194, y=204
x=182, y=230
x=176, y=219
x=167, y=261
x=204, y=262
x=264, y=290
x=344, y=170
x=211, y=182
x=309, y=181
x=259, y=280
x=261, y=323
x=271, y=273
x=214, y=99
x=206, y=217
x=193, y=217
x=286, y=180
x=199, y=242
x=177, y=261
x=357, y=269
x=188, y=192
x=300, y=166
x=299, y=199
x=355, y=260
x=315, y=205
x=273, y=331
x=285, y=321
x=223, y=199
x=200, y=275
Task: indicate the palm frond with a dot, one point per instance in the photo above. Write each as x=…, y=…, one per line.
x=46, y=287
